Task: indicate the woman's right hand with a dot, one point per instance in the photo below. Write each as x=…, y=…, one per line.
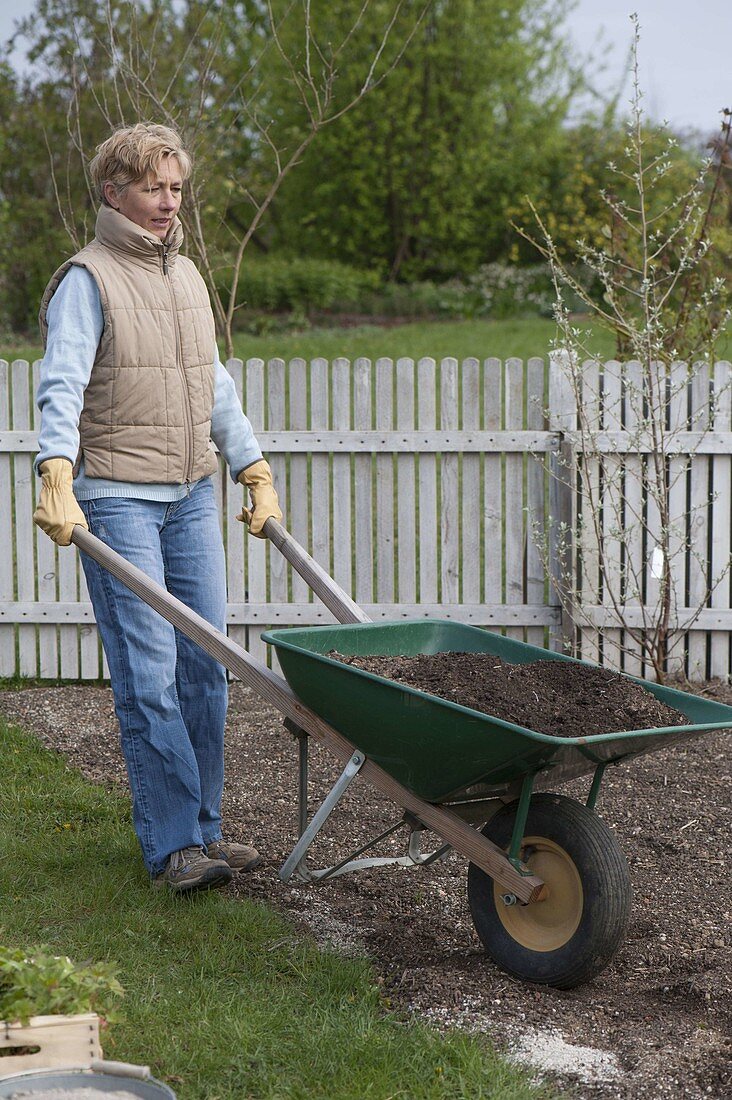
x=58, y=510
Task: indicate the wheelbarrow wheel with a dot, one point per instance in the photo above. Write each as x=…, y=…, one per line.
x=572, y=934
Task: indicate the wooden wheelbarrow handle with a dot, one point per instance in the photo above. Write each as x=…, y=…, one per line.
x=274, y=689
x=322, y=584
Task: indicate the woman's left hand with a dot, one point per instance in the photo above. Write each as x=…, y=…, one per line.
x=257, y=478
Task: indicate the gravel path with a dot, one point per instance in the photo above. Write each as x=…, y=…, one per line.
x=656, y=1023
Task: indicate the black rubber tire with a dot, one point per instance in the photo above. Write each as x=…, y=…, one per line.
x=600, y=894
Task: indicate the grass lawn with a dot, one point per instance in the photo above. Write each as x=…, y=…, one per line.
x=501, y=339
x=224, y=1000
x=483, y=339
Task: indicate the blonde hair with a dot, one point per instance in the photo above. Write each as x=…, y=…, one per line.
x=132, y=152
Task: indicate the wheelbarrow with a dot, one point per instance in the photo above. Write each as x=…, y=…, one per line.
x=548, y=884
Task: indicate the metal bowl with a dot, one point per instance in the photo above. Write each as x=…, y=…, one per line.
x=79, y=1082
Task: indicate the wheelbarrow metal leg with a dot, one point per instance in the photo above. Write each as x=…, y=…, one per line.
x=413, y=858
x=295, y=862
x=514, y=851
x=595, y=788
x=302, y=757
x=351, y=861
x=415, y=850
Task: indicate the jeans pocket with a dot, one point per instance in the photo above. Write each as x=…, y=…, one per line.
x=89, y=508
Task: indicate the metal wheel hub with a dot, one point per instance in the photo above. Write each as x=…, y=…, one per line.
x=549, y=924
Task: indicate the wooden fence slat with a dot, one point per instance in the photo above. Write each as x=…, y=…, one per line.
x=363, y=486
x=612, y=505
x=589, y=583
x=492, y=487
x=274, y=411
x=343, y=513
x=406, y=488
x=536, y=480
x=720, y=664
x=563, y=494
x=8, y=664
x=23, y=477
x=449, y=491
x=471, y=536
x=632, y=520
x=699, y=508
x=276, y=408
x=233, y=500
x=71, y=587
x=654, y=379
x=255, y=548
x=385, y=534
x=46, y=573
x=514, y=541
x=320, y=466
x=298, y=488
x=678, y=466
x=429, y=520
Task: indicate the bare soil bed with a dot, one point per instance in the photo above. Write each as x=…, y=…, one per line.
x=553, y=697
x=656, y=1023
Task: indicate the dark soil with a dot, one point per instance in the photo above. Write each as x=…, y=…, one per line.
x=660, y=1014
x=552, y=697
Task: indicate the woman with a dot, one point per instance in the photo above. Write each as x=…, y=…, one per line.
x=131, y=394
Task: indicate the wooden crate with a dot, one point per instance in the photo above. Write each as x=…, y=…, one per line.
x=62, y=1041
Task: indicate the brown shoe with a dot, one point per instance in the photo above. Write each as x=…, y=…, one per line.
x=191, y=869
x=239, y=857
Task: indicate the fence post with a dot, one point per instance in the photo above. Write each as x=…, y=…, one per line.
x=562, y=416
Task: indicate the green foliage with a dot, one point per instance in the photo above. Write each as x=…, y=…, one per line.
x=38, y=983
x=32, y=232
x=306, y=287
x=418, y=180
x=571, y=192
x=399, y=207
x=496, y=291
x=275, y=284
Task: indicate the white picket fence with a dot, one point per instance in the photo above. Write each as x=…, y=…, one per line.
x=415, y=484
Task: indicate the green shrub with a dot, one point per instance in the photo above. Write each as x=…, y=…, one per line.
x=39, y=983
x=276, y=294
x=276, y=284
x=507, y=290
x=496, y=292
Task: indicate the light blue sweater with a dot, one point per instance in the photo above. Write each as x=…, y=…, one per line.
x=75, y=323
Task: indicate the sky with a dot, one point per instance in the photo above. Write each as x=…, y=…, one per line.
x=684, y=54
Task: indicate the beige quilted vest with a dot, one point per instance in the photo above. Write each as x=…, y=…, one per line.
x=147, y=408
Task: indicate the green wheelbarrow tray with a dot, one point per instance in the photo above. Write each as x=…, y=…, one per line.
x=439, y=749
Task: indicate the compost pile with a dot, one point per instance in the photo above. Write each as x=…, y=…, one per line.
x=554, y=697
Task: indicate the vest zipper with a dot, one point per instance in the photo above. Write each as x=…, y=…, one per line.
x=188, y=472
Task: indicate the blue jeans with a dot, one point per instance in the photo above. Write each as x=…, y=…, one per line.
x=170, y=696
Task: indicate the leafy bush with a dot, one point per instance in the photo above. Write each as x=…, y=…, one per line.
x=496, y=292
x=38, y=983
x=279, y=295
x=302, y=285
x=507, y=290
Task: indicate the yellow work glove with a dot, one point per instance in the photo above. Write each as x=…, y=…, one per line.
x=257, y=478
x=58, y=510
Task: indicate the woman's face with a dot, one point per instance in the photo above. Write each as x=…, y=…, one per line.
x=151, y=202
